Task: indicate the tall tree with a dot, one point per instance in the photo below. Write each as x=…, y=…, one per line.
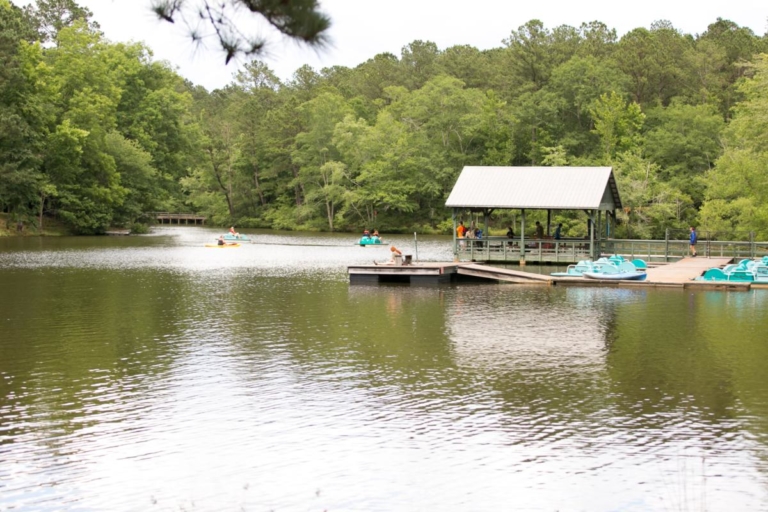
x=534, y=51
x=318, y=157
x=50, y=16
x=684, y=142
x=24, y=112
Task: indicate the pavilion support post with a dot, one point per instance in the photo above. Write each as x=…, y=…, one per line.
x=455, y=244
x=487, y=233
x=599, y=231
x=522, y=238
x=549, y=220
x=591, y=229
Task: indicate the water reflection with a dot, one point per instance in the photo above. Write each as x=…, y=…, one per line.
x=154, y=373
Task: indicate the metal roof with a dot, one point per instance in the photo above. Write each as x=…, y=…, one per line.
x=543, y=188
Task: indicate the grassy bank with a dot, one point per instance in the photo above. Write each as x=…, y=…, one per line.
x=51, y=227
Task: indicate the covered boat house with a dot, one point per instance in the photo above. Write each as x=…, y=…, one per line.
x=480, y=191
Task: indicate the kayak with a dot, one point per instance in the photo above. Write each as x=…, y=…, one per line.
x=225, y=246
x=634, y=276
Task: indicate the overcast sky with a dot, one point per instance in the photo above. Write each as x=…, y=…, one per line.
x=363, y=28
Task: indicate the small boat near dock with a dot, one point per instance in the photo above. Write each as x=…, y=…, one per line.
x=620, y=276
x=612, y=265
x=236, y=238
x=370, y=240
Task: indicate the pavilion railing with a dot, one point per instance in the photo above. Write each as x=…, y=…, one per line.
x=503, y=249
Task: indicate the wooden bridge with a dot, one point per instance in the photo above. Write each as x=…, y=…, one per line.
x=178, y=218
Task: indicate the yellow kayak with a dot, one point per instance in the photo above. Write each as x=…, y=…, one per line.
x=225, y=246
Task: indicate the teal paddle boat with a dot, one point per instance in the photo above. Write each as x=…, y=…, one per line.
x=612, y=265
x=371, y=240
x=229, y=237
x=745, y=271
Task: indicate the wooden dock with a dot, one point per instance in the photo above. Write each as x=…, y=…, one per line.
x=415, y=274
x=680, y=274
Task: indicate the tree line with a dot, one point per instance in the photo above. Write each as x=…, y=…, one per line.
x=97, y=133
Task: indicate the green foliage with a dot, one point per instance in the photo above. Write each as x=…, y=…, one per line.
x=97, y=134
x=737, y=188
x=684, y=142
x=617, y=124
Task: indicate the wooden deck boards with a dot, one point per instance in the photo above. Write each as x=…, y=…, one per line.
x=503, y=274
x=683, y=271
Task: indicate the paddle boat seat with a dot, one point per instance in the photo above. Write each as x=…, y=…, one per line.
x=714, y=274
x=741, y=275
x=761, y=272
x=627, y=266
x=577, y=270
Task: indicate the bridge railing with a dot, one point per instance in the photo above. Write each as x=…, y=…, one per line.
x=170, y=217
x=673, y=250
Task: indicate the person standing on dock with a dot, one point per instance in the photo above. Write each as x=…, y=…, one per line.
x=694, y=238
x=557, y=231
x=460, y=232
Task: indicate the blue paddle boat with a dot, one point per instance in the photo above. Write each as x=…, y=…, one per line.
x=611, y=265
x=618, y=276
x=618, y=271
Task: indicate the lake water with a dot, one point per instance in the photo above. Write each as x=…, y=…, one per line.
x=151, y=373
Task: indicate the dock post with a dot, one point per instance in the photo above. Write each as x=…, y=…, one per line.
x=455, y=245
x=666, y=245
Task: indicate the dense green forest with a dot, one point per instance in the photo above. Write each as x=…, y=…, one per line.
x=96, y=134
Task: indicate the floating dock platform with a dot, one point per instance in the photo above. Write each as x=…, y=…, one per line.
x=680, y=274
x=415, y=274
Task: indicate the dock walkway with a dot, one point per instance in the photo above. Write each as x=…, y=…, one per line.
x=503, y=274
x=683, y=271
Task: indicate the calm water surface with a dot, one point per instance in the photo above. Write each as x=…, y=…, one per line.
x=150, y=373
